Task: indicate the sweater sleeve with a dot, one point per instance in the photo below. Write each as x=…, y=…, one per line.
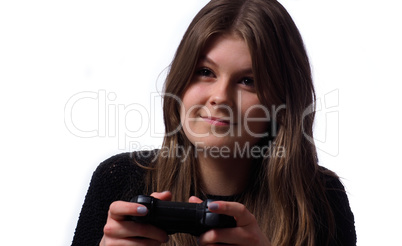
x=345, y=233
x=117, y=178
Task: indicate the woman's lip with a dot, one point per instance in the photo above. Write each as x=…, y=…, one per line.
x=217, y=121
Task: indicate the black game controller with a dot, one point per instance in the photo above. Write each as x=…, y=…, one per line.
x=181, y=217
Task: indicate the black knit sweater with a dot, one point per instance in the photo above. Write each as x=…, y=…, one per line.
x=120, y=178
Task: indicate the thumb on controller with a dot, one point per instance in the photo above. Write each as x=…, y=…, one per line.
x=164, y=196
x=194, y=199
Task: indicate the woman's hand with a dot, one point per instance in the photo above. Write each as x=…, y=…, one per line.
x=120, y=231
x=246, y=233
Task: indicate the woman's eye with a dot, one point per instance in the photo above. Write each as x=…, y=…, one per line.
x=204, y=72
x=247, y=82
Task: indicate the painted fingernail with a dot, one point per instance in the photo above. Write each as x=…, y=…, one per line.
x=213, y=206
x=142, y=210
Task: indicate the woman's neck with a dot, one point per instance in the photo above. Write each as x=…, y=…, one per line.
x=224, y=176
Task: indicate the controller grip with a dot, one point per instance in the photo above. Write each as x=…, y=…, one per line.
x=181, y=217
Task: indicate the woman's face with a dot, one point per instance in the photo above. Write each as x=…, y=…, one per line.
x=220, y=107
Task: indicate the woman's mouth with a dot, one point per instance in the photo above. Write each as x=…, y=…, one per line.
x=217, y=121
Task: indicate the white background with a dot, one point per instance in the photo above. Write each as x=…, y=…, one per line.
x=54, y=51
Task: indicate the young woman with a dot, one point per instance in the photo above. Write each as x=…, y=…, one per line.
x=235, y=105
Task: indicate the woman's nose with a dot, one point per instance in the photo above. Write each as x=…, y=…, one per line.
x=222, y=93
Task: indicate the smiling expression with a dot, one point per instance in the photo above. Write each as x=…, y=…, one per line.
x=220, y=107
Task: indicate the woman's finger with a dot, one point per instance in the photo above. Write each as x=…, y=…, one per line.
x=239, y=211
x=165, y=195
x=130, y=229
x=194, y=199
x=119, y=210
x=129, y=242
x=247, y=231
x=231, y=236
x=118, y=227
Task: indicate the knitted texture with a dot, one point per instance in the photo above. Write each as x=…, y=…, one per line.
x=120, y=178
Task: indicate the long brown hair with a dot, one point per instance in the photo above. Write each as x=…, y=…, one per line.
x=286, y=194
